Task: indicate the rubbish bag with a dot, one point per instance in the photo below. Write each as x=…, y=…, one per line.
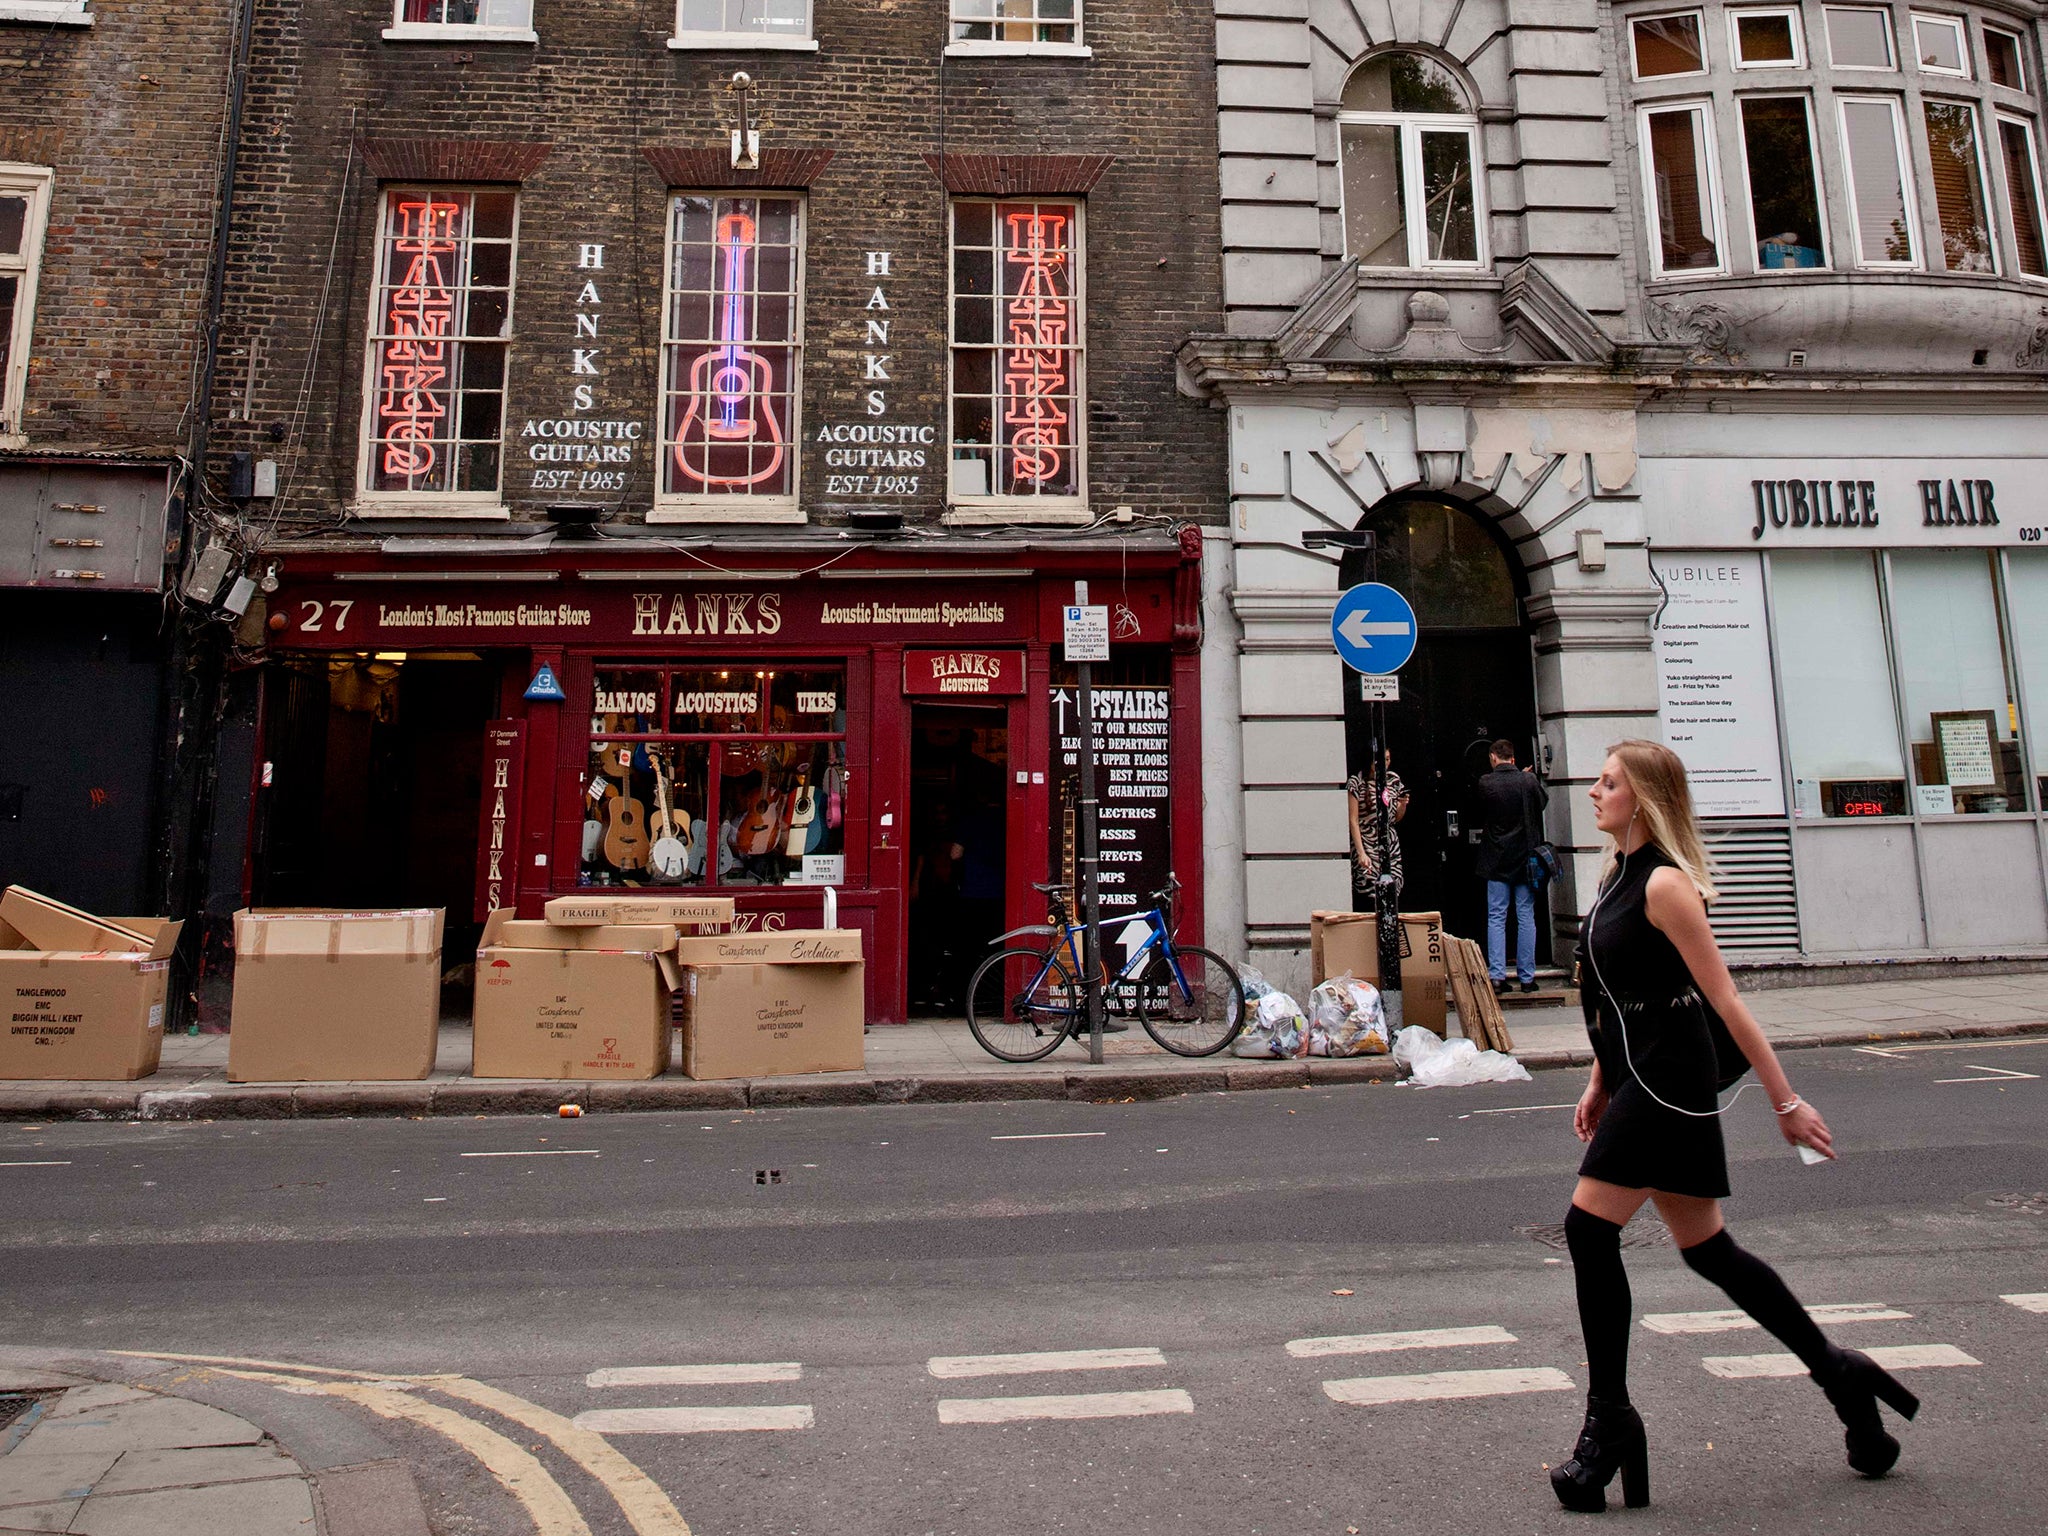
x=1254, y=982
x=1434, y=1063
x=1346, y=1018
x=1276, y=1028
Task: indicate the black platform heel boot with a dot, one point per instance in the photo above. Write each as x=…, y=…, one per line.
x=1611, y=1440
x=1855, y=1384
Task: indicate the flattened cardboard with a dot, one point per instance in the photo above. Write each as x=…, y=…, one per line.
x=503, y=931
x=786, y=946
x=640, y=907
x=1347, y=943
x=335, y=996
x=771, y=1020
x=585, y=1015
x=48, y=924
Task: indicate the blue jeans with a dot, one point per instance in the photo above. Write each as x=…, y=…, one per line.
x=1497, y=930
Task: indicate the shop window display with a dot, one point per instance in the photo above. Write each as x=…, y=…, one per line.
x=2026, y=586
x=1840, y=726
x=714, y=775
x=1962, y=715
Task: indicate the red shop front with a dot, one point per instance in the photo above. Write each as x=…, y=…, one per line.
x=892, y=721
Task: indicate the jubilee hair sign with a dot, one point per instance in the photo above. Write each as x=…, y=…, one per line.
x=1814, y=504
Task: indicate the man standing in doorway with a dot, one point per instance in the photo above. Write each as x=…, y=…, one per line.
x=1513, y=800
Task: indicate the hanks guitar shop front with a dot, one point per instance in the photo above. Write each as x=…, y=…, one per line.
x=498, y=733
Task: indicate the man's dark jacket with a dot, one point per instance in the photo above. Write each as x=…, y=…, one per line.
x=1513, y=802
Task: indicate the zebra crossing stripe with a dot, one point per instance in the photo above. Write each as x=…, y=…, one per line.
x=2028, y=1301
x=953, y=1367
x=1081, y=1405
x=1384, y=1343
x=1370, y=1391
x=695, y=1375
x=693, y=1421
x=1896, y=1357
x=1731, y=1320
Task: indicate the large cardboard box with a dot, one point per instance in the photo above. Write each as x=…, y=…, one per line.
x=87, y=1011
x=335, y=996
x=1347, y=943
x=640, y=907
x=585, y=1004
x=770, y=1004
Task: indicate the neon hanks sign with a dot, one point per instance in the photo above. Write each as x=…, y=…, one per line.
x=1038, y=321
x=413, y=372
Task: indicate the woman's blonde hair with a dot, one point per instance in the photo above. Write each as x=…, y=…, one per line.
x=1656, y=777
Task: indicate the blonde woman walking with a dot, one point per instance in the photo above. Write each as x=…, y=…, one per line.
x=1657, y=993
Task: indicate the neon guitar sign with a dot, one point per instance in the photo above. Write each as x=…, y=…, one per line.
x=413, y=372
x=731, y=389
x=1038, y=318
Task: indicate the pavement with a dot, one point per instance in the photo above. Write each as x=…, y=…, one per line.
x=108, y=1445
x=938, y=1061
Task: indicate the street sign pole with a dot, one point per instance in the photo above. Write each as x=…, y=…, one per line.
x=1090, y=892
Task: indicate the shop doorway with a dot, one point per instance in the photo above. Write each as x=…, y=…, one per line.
x=374, y=770
x=1471, y=681
x=959, y=772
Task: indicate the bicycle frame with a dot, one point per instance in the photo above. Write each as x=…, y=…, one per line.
x=1159, y=937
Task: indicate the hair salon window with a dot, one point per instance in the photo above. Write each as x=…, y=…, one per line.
x=1019, y=322
x=732, y=359
x=1410, y=145
x=713, y=774
x=440, y=328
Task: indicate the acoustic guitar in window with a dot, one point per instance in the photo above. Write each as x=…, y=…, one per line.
x=625, y=832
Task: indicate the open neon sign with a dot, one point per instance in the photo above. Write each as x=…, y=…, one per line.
x=1037, y=319
x=413, y=371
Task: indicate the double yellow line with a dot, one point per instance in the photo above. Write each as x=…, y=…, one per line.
x=640, y=1499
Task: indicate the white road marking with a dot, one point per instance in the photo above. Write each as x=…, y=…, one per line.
x=1896, y=1357
x=2029, y=1301
x=1083, y=1405
x=952, y=1367
x=1522, y=1109
x=550, y=1152
x=1052, y=1136
x=1370, y=1391
x=1871, y=1050
x=1730, y=1321
x=1991, y=1075
x=694, y=1375
x=1919, y=1047
x=65, y=1164
x=1383, y=1343
x=693, y=1421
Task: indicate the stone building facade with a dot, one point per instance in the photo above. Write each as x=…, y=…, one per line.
x=1687, y=362
x=636, y=352
x=110, y=137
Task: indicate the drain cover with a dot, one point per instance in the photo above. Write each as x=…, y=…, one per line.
x=1637, y=1234
x=2026, y=1205
x=767, y=1175
x=14, y=1404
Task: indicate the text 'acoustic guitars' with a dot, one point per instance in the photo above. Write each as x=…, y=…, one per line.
x=730, y=436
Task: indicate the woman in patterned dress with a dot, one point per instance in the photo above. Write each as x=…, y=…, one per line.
x=1365, y=836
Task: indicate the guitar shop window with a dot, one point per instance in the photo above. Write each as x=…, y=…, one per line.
x=434, y=377
x=732, y=357
x=719, y=775
x=1018, y=366
x=24, y=207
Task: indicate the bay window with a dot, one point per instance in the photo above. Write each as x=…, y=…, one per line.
x=732, y=354
x=1767, y=39
x=2021, y=170
x=1784, y=183
x=1940, y=46
x=2003, y=59
x=1661, y=47
x=1882, y=210
x=1960, y=200
x=1678, y=167
x=440, y=329
x=1860, y=37
x=1410, y=146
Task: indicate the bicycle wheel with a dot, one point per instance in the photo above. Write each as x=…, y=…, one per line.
x=1196, y=1019
x=1021, y=1005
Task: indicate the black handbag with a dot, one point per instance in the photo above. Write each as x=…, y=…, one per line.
x=1729, y=1062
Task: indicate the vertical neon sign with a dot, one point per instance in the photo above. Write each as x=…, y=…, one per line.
x=413, y=370
x=731, y=388
x=1037, y=320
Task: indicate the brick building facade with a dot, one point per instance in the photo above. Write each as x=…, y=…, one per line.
x=757, y=468
x=111, y=120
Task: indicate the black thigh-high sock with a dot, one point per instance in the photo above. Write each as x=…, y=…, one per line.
x=1755, y=1287
x=1605, y=1305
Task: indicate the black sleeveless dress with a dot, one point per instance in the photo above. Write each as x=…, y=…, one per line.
x=1653, y=1042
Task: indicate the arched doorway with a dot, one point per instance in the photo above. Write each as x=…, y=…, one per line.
x=1471, y=680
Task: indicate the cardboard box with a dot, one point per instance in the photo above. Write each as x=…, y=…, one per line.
x=335, y=996
x=640, y=907
x=80, y=1013
x=1342, y=943
x=585, y=1004
x=770, y=1004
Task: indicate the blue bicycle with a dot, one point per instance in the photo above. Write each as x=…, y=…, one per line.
x=1022, y=1003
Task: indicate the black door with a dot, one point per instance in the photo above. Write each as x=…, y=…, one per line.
x=1470, y=682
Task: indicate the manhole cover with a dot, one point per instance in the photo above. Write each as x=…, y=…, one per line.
x=767, y=1175
x=14, y=1404
x=1637, y=1234
x=2026, y=1205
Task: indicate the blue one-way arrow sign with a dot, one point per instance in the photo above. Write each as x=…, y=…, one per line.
x=1373, y=629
